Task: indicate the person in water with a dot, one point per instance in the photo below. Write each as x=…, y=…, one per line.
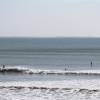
x=91, y=63
x=3, y=66
x=65, y=69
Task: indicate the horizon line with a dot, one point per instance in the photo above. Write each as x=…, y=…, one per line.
x=49, y=36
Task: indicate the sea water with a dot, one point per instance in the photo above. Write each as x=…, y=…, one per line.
x=50, y=68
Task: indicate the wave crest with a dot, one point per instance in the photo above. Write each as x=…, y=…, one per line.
x=48, y=72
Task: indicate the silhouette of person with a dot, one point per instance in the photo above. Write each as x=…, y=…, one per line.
x=91, y=63
x=65, y=69
x=3, y=66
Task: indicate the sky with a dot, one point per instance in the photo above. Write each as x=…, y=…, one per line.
x=50, y=18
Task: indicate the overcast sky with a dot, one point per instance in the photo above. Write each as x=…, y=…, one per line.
x=50, y=18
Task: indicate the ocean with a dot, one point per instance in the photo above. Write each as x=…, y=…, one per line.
x=49, y=68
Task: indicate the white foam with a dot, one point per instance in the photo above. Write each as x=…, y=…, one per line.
x=59, y=94
x=64, y=72
x=84, y=84
x=27, y=70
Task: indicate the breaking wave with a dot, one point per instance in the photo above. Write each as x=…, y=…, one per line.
x=50, y=90
x=69, y=86
x=23, y=70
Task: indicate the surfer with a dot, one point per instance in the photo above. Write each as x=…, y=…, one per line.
x=65, y=69
x=91, y=63
x=3, y=66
